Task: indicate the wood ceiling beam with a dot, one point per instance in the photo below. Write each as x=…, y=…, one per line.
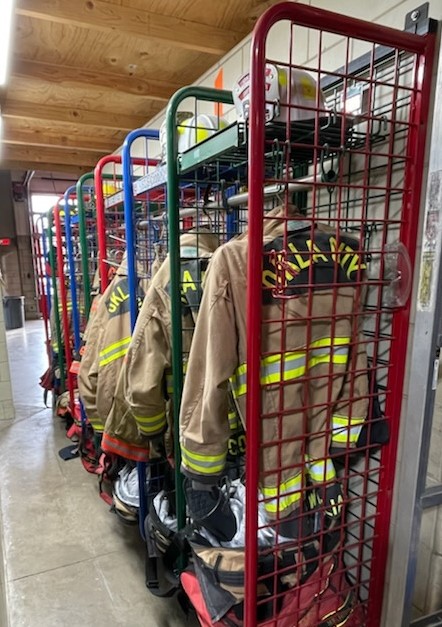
x=10, y=164
x=71, y=115
x=42, y=139
x=89, y=79
x=99, y=15
x=50, y=155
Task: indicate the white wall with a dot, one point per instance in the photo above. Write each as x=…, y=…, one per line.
x=236, y=62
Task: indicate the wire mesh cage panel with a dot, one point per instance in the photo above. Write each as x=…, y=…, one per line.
x=63, y=286
x=336, y=133
x=126, y=242
x=74, y=270
x=56, y=332
x=40, y=257
x=207, y=167
x=87, y=259
x=109, y=216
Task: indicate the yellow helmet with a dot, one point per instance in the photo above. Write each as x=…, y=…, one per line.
x=180, y=117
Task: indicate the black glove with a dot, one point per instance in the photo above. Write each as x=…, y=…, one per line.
x=297, y=525
x=209, y=507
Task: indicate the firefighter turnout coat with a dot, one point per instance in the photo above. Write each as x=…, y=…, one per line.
x=147, y=384
x=313, y=367
x=121, y=435
x=108, y=339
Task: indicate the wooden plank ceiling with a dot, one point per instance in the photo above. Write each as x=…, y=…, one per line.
x=84, y=73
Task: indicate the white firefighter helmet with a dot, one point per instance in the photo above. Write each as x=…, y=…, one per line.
x=303, y=92
x=198, y=128
x=180, y=117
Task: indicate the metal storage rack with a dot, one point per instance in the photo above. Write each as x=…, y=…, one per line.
x=376, y=197
x=369, y=197
x=115, y=212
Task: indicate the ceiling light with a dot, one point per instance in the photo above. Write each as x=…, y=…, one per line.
x=5, y=36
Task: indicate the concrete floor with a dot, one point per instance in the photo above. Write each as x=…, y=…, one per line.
x=69, y=561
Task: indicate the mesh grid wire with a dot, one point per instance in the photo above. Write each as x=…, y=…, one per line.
x=354, y=147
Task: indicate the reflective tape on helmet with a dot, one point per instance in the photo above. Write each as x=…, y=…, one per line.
x=293, y=365
x=320, y=470
x=114, y=351
x=203, y=464
x=281, y=497
x=346, y=429
x=151, y=425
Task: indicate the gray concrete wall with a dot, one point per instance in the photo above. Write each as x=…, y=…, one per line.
x=16, y=262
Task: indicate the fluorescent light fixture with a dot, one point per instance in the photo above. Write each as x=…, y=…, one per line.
x=6, y=11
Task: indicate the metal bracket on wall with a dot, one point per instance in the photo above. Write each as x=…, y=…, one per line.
x=417, y=20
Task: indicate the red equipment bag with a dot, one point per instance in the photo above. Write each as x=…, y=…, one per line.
x=325, y=600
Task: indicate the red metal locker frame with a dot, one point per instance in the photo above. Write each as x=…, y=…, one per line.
x=423, y=48
x=40, y=273
x=100, y=208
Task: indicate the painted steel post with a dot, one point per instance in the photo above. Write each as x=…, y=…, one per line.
x=71, y=263
x=173, y=198
x=55, y=304
x=129, y=208
x=83, y=239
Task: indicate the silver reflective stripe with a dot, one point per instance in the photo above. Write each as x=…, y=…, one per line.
x=191, y=252
x=321, y=469
x=346, y=429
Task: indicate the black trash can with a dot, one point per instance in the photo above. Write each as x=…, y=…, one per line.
x=14, y=310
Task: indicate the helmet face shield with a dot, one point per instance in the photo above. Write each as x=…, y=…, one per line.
x=290, y=95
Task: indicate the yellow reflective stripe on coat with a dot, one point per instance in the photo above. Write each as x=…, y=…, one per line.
x=346, y=429
x=113, y=357
x=68, y=307
x=149, y=425
x=233, y=421
x=203, y=464
x=114, y=346
x=114, y=351
x=320, y=469
x=293, y=365
x=96, y=424
x=283, y=496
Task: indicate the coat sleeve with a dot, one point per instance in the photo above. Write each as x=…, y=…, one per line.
x=88, y=372
x=114, y=344
x=147, y=360
x=204, y=416
x=350, y=413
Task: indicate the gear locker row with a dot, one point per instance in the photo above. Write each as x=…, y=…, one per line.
x=283, y=390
